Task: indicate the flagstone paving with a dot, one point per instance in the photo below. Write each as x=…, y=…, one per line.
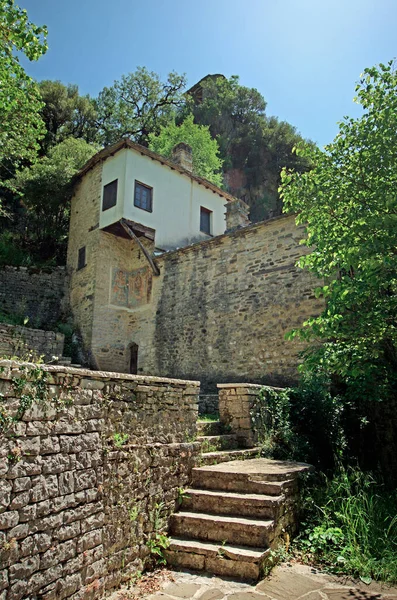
x=290, y=581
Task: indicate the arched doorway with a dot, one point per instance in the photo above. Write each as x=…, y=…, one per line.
x=133, y=358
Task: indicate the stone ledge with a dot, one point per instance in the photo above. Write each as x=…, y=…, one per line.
x=84, y=373
x=240, y=385
x=256, y=386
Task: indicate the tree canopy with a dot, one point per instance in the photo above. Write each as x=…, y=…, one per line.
x=21, y=125
x=46, y=189
x=138, y=105
x=348, y=202
x=206, y=161
x=253, y=146
x=65, y=114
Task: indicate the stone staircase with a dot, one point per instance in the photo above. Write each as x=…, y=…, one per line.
x=237, y=509
x=218, y=446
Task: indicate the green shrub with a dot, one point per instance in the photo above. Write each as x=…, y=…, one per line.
x=302, y=423
x=271, y=418
x=11, y=252
x=350, y=525
x=317, y=419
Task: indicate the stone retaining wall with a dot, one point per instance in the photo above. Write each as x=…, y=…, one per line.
x=33, y=293
x=22, y=341
x=243, y=411
x=88, y=476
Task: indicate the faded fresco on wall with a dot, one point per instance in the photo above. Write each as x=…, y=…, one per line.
x=130, y=289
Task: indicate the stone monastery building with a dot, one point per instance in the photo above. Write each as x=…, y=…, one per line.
x=169, y=278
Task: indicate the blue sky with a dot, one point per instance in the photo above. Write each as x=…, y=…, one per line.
x=304, y=56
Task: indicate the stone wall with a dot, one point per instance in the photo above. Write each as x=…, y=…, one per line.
x=236, y=404
x=243, y=410
x=208, y=404
x=89, y=475
x=219, y=310
x=33, y=293
x=23, y=341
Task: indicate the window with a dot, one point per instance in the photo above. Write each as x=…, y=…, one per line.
x=81, y=260
x=143, y=196
x=109, y=195
x=205, y=220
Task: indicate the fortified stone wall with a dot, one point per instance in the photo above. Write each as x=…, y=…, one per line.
x=33, y=293
x=218, y=311
x=89, y=475
x=22, y=341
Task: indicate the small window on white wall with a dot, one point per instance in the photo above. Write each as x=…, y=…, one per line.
x=205, y=220
x=143, y=196
x=109, y=195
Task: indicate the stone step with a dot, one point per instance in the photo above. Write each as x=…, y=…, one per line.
x=239, y=562
x=256, y=476
x=227, y=482
x=231, y=503
x=214, y=458
x=223, y=528
x=213, y=443
x=209, y=427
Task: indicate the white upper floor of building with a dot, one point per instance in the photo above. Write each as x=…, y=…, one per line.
x=156, y=193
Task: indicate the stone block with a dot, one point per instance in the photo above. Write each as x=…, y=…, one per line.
x=18, y=532
x=92, y=384
x=56, y=463
x=85, y=479
x=89, y=540
x=27, y=513
x=5, y=494
x=9, y=519
x=43, y=508
x=49, y=445
x=24, y=569
x=25, y=468
x=68, y=532
x=30, y=446
x=21, y=484
x=4, y=581
x=94, y=522
x=66, y=482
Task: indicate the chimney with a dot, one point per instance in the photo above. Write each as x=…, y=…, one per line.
x=182, y=156
x=236, y=215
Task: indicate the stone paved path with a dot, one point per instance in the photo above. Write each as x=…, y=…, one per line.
x=287, y=582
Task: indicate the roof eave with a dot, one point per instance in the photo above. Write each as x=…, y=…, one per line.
x=109, y=151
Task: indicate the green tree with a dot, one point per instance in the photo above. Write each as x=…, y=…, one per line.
x=206, y=161
x=21, y=125
x=46, y=189
x=253, y=146
x=348, y=203
x=66, y=114
x=138, y=105
x=233, y=113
